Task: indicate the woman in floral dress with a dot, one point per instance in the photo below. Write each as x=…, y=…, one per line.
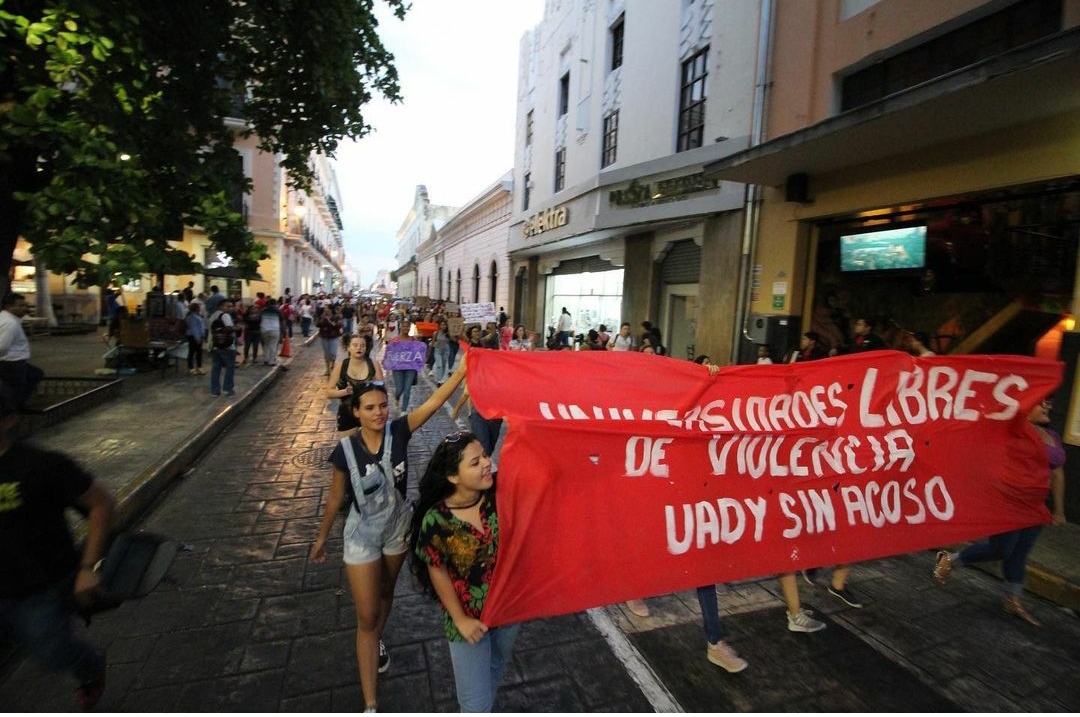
x=455, y=535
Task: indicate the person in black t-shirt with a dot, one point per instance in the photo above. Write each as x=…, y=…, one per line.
x=43, y=572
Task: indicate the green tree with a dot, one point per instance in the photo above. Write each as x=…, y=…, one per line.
x=113, y=131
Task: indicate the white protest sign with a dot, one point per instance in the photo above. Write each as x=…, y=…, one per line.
x=478, y=313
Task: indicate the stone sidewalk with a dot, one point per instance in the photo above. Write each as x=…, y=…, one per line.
x=244, y=623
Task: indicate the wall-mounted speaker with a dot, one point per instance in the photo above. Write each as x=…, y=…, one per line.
x=797, y=188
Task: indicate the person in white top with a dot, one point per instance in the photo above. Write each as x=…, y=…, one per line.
x=763, y=355
x=18, y=375
x=622, y=341
x=564, y=327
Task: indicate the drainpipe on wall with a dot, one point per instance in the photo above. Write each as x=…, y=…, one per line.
x=752, y=201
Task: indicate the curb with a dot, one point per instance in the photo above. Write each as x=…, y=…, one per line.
x=1051, y=586
x=137, y=497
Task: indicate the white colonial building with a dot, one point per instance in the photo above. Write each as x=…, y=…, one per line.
x=620, y=104
x=423, y=219
x=466, y=261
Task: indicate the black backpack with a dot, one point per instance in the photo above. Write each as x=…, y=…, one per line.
x=221, y=335
x=132, y=568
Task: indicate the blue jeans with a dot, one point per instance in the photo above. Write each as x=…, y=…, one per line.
x=1011, y=548
x=486, y=430
x=222, y=358
x=710, y=614
x=441, y=368
x=478, y=668
x=403, y=381
x=42, y=623
x=330, y=350
x=348, y=327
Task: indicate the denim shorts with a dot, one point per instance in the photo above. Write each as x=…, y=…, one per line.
x=385, y=532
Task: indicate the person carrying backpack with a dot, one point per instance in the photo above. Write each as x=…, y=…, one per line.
x=222, y=349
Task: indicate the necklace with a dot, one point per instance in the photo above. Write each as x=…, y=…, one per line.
x=467, y=506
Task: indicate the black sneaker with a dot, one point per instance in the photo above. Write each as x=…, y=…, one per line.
x=384, y=658
x=846, y=595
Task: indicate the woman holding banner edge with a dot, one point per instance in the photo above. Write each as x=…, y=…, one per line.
x=371, y=467
x=455, y=540
x=1012, y=548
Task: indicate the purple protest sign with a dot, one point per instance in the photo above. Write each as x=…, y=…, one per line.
x=404, y=355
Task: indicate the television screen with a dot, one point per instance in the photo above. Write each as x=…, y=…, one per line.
x=884, y=250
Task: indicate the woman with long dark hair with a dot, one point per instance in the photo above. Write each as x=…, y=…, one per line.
x=455, y=536
x=371, y=469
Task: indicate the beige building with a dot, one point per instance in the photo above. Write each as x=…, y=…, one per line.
x=920, y=166
x=301, y=230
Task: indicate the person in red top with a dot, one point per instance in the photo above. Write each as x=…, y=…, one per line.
x=506, y=334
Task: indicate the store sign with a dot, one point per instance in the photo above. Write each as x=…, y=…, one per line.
x=638, y=194
x=549, y=219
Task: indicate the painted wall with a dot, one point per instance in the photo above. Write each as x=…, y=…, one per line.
x=814, y=42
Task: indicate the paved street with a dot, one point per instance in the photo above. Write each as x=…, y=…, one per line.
x=243, y=622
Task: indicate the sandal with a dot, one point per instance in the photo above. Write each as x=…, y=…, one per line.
x=942, y=567
x=1012, y=605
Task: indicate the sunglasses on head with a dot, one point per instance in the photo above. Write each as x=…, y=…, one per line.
x=363, y=386
x=456, y=436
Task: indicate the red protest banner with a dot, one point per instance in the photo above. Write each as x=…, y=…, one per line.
x=627, y=475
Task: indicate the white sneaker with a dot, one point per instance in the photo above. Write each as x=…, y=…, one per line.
x=802, y=622
x=721, y=654
x=638, y=607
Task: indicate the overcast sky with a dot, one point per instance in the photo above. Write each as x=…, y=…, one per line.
x=454, y=132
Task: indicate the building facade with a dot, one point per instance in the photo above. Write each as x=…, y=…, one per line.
x=920, y=167
x=621, y=104
x=466, y=261
x=301, y=230
x=418, y=227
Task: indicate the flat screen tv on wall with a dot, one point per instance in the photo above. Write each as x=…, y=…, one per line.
x=884, y=250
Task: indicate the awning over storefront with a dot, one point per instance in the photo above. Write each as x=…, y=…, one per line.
x=1039, y=80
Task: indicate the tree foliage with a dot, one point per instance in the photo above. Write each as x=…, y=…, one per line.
x=113, y=132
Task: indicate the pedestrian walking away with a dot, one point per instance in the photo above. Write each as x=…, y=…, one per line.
x=196, y=333
x=371, y=468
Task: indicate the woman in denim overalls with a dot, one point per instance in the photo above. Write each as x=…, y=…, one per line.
x=370, y=467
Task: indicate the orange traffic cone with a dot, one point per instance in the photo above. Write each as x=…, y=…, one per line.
x=286, y=348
